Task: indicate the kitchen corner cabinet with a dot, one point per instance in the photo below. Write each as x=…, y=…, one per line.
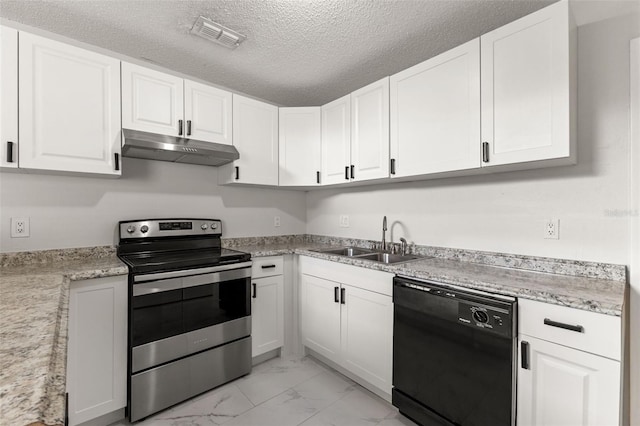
x=153, y=101
x=568, y=376
x=435, y=114
x=267, y=304
x=97, y=348
x=370, y=132
x=255, y=136
x=347, y=316
x=8, y=97
x=528, y=88
x=336, y=141
x=299, y=146
x=69, y=108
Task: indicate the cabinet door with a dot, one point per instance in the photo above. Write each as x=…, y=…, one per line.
x=207, y=112
x=435, y=114
x=370, y=131
x=336, y=140
x=565, y=386
x=97, y=348
x=255, y=135
x=527, y=93
x=367, y=330
x=8, y=97
x=299, y=146
x=152, y=101
x=320, y=316
x=69, y=108
x=267, y=313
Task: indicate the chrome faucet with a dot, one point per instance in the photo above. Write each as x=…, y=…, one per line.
x=403, y=246
x=384, y=231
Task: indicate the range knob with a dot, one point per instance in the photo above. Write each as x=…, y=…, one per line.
x=204, y=226
x=481, y=317
x=144, y=229
x=214, y=225
x=131, y=229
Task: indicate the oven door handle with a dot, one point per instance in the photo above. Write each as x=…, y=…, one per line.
x=157, y=287
x=190, y=272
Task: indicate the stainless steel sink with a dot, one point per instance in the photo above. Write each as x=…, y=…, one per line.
x=389, y=258
x=346, y=251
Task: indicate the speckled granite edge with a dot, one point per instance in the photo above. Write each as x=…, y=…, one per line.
x=21, y=258
x=577, y=268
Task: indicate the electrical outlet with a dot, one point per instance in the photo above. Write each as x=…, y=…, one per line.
x=276, y=221
x=552, y=229
x=19, y=227
x=344, y=221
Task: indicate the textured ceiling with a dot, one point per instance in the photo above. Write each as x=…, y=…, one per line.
x=296, y=53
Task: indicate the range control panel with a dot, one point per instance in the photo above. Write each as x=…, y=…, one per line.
x=169, y=227
x=486, y=317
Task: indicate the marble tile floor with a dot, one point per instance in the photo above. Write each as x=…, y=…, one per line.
x=283, y=392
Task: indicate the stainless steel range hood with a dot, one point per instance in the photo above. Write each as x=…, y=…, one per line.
x=152, y=146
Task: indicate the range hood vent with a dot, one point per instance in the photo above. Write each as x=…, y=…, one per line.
x=152, y=146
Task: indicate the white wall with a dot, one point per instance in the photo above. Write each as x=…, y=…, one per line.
x=72, y=211
x=506, y=211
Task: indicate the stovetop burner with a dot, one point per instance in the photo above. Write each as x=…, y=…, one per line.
x=186, y=259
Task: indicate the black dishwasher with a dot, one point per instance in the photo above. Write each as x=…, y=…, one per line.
x=453, y=354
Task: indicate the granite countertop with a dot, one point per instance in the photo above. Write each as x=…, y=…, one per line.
x=34, y=300
x=34, y=297
x=596, y=294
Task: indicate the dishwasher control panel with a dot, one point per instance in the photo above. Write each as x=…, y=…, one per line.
x=485, y=317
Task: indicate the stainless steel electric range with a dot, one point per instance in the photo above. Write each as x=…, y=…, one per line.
x=189, y=311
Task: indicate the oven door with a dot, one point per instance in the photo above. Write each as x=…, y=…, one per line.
x=174, y=317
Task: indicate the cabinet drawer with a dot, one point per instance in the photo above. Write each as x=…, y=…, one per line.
x=267, y=266
x=587, y=331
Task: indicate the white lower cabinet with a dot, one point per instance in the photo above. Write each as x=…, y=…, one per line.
x=267, y=305
x=569, y=366
x=347, y=316
x=97, y=348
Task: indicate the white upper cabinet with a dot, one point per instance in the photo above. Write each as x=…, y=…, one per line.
x=435, y=114
x=207, y=112
x=69, y=108
x=299, y=150
x=8, y=97
x=152, y=101
x=370, y=132
x=528, y=89
x=255, y=136
x=336, y=141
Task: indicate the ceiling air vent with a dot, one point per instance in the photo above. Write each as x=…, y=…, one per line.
x=217, y=33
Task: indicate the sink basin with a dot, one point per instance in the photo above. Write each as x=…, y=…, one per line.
x=389, y=258
x=346, y=251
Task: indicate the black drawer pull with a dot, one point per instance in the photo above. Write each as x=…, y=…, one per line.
x=317, y=177
x=342, y=296
x=352, y=169
x=393, y=166
x=188, y=127
x=116, y=158
x=336, y=296
x=237, y=173
x=179, y=127
x=577, y=328
x=268, y=266
x=485, y=152
x=346, y=172
x=524, y=355
x=10, y=152
x=255, y=290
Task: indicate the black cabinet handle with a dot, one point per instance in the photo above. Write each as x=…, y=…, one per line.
x=116, y=158
x=188, y=127
x=577, y=328
x=524, y=355
x=317, y=177
x=342, y=296
x=10, y=152
x=485, y=152
x=346, y=172
x=336, y=296
x=255, y=290
x=179, y=127
x=237, y=173
x=268, y=266
x=66, y=409
x=352, y=169
x=393, y=166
